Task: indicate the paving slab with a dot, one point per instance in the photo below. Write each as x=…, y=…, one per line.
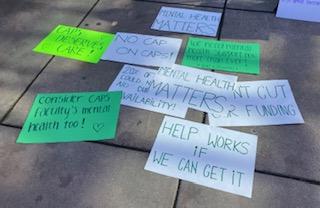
x=137, y=128
x=83, y=175
x=289, y=50
x=23, y=24
x=255, y=5
x=207, y=3
x=268, y=191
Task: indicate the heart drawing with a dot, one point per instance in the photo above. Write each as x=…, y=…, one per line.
x=98, y=126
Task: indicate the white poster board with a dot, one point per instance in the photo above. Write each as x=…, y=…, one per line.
x=307, y=10
x=173, y=90
x=143, y=50
x=187, y=21
x=196, y=78
x=135, y=83
x=210, y=156
x=170, y=91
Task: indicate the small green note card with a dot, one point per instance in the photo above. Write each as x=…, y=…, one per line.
x=75, y=43
x=222, y=55
x=70, y=117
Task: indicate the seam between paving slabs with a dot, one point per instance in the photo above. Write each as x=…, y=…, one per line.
x=42, y=69
x=175, y=202
x=252, y=10
x=314, y=182
x=177, y=3
x=204, y=115
x=206, y=6
x=25, y=90
x=219, y=32
x=301, y=179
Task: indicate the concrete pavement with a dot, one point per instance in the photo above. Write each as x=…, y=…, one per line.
x=111, y=174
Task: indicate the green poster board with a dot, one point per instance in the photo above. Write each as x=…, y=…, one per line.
x=69, y=117
x=75, y=43
x=222, y=55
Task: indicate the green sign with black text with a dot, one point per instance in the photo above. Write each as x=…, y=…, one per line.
x=222, y=55
x=75, y=43
x=68, y=117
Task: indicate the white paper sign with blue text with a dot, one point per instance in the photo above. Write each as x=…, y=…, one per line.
x=307, y=10
x=143, y=50
x=196, y=78
x=187, y=21
x=210, y=156
x=257, y=103
x=171, y=91
x=135, y=83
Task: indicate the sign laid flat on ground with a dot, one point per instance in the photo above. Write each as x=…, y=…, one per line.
x=307, y=10
x=143, y=50
x=68, y=117
x=187, y=21
x=256, y=103
x=136, y=83
x=210, y=156
x=196, y=78
x=170, y=91
x=75, y=43
x=222, y=55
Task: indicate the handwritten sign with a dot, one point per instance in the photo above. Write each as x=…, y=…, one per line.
x=307, y=10
x=170, y=90
x=143, y=49
x=222, y=55
x=258, y=103
x=187, y=21
x=196, y=78
x=76, y=43
x=68, y=117
x=210, y=156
